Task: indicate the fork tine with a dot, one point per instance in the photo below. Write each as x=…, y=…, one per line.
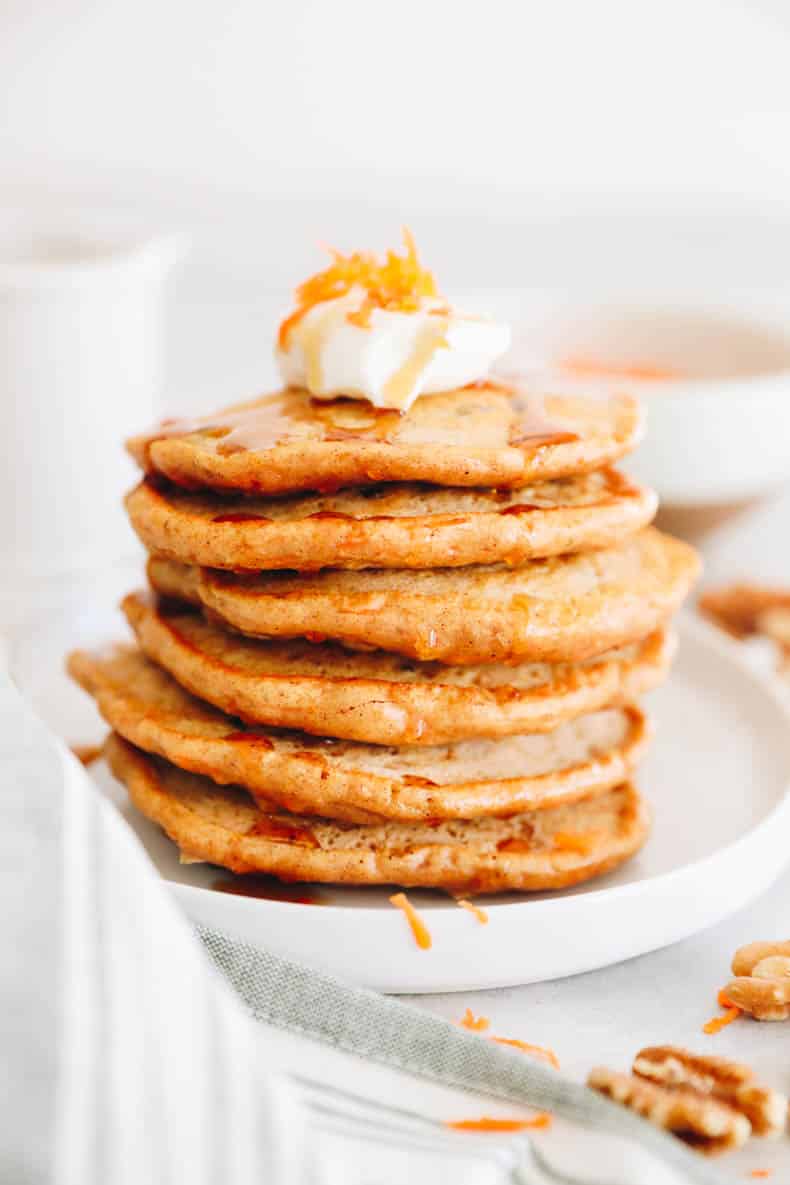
x=387, y=1109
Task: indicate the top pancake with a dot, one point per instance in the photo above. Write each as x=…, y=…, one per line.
x=397, y=525
x=483, y=435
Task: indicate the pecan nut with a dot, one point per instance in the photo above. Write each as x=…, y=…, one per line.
x=729, y=1082
x=703, y=1122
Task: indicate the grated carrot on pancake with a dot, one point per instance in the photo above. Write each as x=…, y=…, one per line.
x=488, y=1124
x=546, y=1055
x=399, y=283
x=479, y=913
x=418, y=927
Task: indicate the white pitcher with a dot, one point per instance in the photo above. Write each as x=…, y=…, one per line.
x=81, y=366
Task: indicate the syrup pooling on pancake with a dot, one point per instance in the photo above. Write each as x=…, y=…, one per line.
x=289, y=416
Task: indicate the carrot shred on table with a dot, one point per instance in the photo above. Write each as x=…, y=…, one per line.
x=418, y=928
x=479, y=913
x=476, y=1024
x=546, y=1055
x=761, y=1174
x=486, y=1123
x=731, y=1013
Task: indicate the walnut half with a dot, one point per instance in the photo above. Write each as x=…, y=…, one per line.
x=722, y=1079
x=699, y=1120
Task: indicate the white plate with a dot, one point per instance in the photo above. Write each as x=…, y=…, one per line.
x=717, y=779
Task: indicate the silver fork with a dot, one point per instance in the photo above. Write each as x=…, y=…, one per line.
x=340, y=1111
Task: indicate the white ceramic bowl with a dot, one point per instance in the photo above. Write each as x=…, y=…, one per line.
x=718, y=429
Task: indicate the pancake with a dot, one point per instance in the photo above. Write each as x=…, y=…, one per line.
x=483, y=435
x=390, y=526
x=563, y=609
x=378, y=697
x=547, y=849
x=343, y=779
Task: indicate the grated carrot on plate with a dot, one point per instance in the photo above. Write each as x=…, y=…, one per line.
x=760, y=1174
x=479, y=913
x=476, y=1024
x=546, y=1055
x=488, y=1124
x=418, y=928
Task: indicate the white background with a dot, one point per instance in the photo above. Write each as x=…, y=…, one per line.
x=525, y=142
x=274, y=125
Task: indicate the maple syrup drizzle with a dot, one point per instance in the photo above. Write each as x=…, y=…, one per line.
x=313, y=338
x=519, y=508
x=378, y=423
x=534, y=427
x=266, y=827
x=257, y=429
x=87, y=754
x=399, y=387
x=279, y=418
x=265, y=888
x=250, y=736
x=272, y=421
x=240, y=516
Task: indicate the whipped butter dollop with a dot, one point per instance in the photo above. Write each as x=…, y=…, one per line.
x=381, y=332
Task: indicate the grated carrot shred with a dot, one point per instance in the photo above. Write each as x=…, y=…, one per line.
x=486, y=1123
x=476, y=1024
x=717, y=1023
x=546, y=1055
x=477, y=912
x=576, y=841
x=418, y=928
x=399, y=283
x=761, y=1174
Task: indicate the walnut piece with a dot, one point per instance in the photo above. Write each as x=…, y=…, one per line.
x=699, y=1120
x=743, y=609
x=729, y=1082
x=762, y=983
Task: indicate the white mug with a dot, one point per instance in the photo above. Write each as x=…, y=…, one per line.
x=81, y=367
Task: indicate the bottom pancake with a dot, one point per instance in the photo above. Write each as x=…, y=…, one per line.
x=537, y=850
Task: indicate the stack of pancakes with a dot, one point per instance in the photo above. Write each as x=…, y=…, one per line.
x=427, y=672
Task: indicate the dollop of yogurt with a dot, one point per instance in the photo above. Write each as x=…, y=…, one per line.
x=389, y=357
